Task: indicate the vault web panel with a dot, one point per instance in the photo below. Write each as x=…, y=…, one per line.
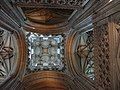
x=85, y=53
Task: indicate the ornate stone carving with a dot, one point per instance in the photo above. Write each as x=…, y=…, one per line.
x=85, y=53
x=7, y=54
x=47, y=16
x=72, y=4
x=102, y=56
x=45, y=52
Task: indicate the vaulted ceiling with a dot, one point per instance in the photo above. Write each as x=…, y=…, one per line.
x=47, y=15
x=43, y=18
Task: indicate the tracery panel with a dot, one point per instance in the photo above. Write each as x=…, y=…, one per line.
x=85, y=53
x=8, y=56
x=102, y=65
x=46, y=52
x=65, y=4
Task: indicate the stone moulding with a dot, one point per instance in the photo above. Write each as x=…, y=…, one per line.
x=63, y=4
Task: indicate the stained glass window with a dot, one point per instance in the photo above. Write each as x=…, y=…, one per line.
x=45, y=52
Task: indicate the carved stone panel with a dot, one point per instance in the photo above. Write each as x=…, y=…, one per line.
x=85, y=52
x=101, y=52
x=8, y=56
x=65, y=4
